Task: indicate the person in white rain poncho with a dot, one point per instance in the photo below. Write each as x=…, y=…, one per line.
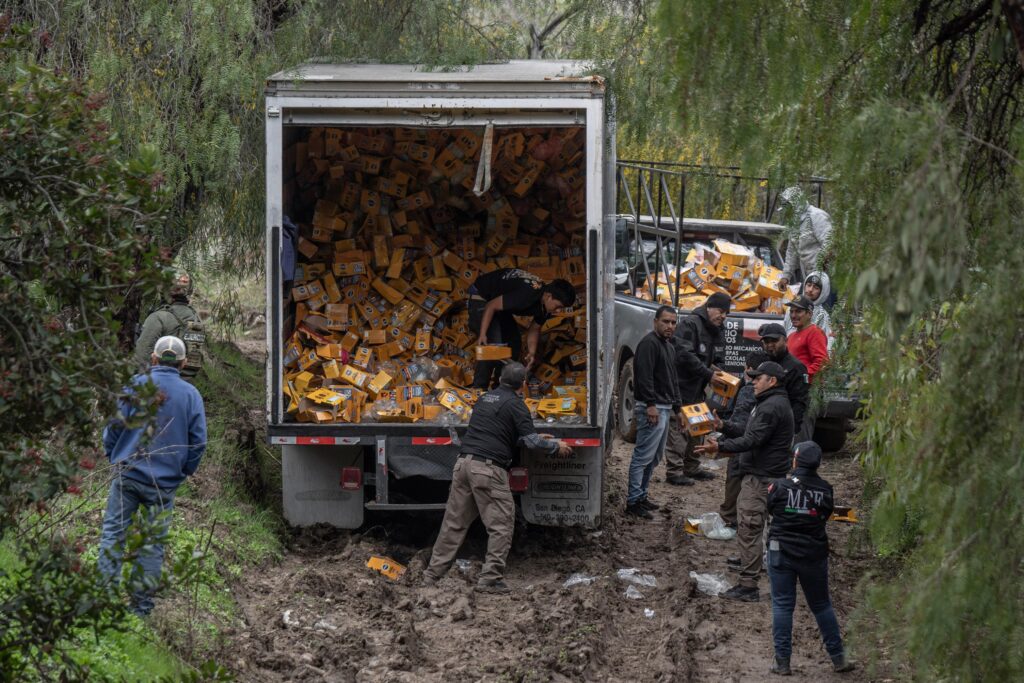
x=813, y=228
x=817, y=288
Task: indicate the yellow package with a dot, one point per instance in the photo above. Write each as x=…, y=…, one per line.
x=386, y=566
x=699, y=420
x=555, y=407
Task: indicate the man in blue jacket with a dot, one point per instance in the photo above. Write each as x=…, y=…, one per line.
x=151, y=458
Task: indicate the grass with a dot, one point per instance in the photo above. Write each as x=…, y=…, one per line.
x=217, y=510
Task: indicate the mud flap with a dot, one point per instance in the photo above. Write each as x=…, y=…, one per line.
x=564, y=491
x=312, y=486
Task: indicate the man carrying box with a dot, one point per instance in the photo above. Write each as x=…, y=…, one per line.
x=496, y=297
x=767, y=436
x=499, y=426
x=695, y=339
x=657, y=403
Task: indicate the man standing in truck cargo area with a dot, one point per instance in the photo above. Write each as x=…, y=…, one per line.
x=150, y=461
x=767, y=439
x=810, y=236
x=657, y=405
x=695, y=339
x=495, y=299
x=499, y=426
x=796, y=382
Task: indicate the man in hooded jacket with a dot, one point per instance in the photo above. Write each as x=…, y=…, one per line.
x=695, y=340
x=800, y=506
x=813, y=229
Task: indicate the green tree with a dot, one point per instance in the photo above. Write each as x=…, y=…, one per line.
x=914, y=111
x=75, y=219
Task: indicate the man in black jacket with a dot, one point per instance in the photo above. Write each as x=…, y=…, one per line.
x=657, y=405
x=742, y=407
x=800, y=506
x=695, y=340
x=767, y=436
x=797, y=383
x=499, y=426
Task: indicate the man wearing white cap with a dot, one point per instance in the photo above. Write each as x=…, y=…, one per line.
x=152, y=455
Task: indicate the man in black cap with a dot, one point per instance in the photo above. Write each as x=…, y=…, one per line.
x=800, y=506
x=695, y=340
x=500, y=425
x=767, y=436
x=496, y=297
x=796, y=382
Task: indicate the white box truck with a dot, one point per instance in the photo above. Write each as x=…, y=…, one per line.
x=333, y=471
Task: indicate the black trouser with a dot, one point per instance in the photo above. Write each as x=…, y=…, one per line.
x=502, y=330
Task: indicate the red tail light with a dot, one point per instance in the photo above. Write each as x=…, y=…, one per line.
x=518, y=479
x=351, y=478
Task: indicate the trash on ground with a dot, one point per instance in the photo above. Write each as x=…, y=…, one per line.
x=463, y=565
x=712, y=584
x=633, y=594
x=386, y=566
x=648, y=612
x=579, y=578
x=711, y=525
x=633, y=575
x=692, y=525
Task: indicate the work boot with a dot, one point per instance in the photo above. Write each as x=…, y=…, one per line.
x=497, y=586
x=680, y=480
x=428, y=580
x=742, y=593
x=781, y=667
x=840, y=664
x=638, y=510
x=649, y=504
x=702, y=475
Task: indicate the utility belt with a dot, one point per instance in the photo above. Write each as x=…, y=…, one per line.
x=480, y=458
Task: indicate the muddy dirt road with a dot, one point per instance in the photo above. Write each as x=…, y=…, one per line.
x=322, y=615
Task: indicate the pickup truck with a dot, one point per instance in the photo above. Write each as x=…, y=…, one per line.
x=644, y=248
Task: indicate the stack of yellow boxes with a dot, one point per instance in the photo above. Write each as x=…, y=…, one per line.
x=728, y=268
x=391, y=238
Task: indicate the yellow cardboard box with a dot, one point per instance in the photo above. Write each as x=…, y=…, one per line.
x=699, y=420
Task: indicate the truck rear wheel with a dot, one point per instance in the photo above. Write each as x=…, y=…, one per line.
x=830, y=433
x=625, y=404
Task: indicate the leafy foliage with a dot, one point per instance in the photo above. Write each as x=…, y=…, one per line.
x=913, y=109
x=74, y=219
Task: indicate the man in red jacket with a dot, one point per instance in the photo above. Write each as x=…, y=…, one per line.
x=809, y=345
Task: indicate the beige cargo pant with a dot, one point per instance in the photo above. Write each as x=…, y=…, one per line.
x=752, y=511
x=680, y=460
x=478, y=488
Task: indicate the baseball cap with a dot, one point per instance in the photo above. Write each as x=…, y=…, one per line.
x=808, y=455
x=771, y=331
x=169, y=348
x=771, y=369
x=801, y=302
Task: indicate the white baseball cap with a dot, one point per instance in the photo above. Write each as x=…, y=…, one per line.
x=169, y=348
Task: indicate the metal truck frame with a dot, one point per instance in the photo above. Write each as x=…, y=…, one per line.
x=328, y=469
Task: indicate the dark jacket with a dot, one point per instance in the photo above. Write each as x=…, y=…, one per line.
x=499, y=425
x=654, y=377
x=742, y=407
x=167, y=449
x=768, y=435
x=163, y=321
x=695, y=341
x=797, y=386
x=799, y=506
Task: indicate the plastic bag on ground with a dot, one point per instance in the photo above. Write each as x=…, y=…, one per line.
x=712, y=584
x=633, y=594
x=579, y=578
x=633, y=576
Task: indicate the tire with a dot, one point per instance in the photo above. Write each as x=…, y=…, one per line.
x=830, y=434
x=625, y=404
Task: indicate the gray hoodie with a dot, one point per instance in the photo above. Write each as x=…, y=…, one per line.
x=814, y=228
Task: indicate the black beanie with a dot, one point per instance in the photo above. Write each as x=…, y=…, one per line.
x=719, y=301
x=808, y=455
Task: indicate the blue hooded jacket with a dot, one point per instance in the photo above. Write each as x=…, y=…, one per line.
x=173, y=446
